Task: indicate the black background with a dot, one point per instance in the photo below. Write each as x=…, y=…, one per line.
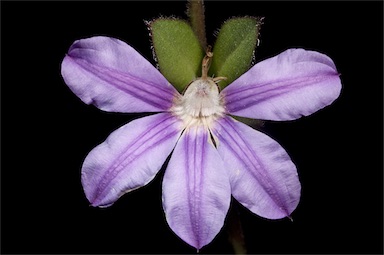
x=46, y=132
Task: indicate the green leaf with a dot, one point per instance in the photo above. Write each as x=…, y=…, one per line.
x=177, y=50
x=234, y=48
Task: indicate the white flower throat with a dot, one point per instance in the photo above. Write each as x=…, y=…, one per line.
x=201, y=102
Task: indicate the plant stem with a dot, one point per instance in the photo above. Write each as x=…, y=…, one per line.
x=235, y=231
x=195, y=12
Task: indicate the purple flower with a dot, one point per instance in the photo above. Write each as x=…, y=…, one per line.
x=213, y=155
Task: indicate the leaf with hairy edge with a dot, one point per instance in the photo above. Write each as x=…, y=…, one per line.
x=234, y=48
x=177, y=50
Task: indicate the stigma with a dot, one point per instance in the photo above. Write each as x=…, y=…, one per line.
x=201, y=103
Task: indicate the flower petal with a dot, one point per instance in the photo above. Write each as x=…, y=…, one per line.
x=114, y=77
x=263, y=177
x=288, y=86
x=196, y=190
x=129, y=158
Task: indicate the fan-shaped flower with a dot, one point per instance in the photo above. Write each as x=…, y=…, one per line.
x=213, y=155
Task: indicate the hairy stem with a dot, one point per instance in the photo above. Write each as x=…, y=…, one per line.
x=195, y=12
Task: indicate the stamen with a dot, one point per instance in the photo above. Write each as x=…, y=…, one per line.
x=206, y=63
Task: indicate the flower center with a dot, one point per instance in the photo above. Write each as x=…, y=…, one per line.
x=201, y=102
x=201, y=99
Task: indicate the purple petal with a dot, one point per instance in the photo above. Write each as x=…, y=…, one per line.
x=288, y=86
x=114, y=77
x=129, y=158
x=263, y=177
x=196, y=190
